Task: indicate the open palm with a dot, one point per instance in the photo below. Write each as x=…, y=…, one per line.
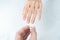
x=32, y=9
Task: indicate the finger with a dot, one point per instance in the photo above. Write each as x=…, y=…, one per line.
x=33, y=17
x=39, y=11
x=25, y=11
x=34, y=13
x=33, y=6
x=29, y=16
x=30, y=12
x=24, y=31
x=17, y=37
x=26, y=36
x=33, y=34
x=36, y=6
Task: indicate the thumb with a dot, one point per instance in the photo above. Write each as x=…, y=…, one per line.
x=33, y=34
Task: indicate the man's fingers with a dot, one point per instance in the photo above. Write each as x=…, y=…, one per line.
x=29, y=16
x=39, y=11
x=33, y=17
x=30, y=12
x=24, y=13
x=24, y=31
x=33, y=34
x=36, y=6
x=34, y=14
x=32, y=8
x=25, y=10
x=26, y=36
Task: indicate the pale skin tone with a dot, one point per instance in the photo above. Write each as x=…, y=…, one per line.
x=32, y=9
x=24, y=33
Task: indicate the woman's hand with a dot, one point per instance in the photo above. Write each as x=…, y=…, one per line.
x=24, y=33
x=32, y=9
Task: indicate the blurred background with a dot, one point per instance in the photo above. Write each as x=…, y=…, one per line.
x=48, y=28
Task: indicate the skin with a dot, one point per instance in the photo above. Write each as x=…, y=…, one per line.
x=24, y=33
x=32, y=9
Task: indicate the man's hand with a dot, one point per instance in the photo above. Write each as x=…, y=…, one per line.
x=32, y=9
x=24, y=33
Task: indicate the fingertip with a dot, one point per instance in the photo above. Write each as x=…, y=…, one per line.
x=24, y=17
x=28, y=21
x=33, y=29
x=39, y=18
x=39, y=15
x=33, y=34
x=32, y=20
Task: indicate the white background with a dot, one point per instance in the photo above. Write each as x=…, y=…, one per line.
x=48, y=28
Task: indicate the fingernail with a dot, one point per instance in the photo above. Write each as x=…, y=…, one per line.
x=28, y=21
x=32, y=21
x=33, y=29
